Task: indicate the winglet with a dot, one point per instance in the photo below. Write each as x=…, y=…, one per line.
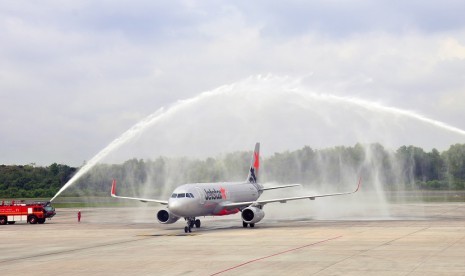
x=113, y=188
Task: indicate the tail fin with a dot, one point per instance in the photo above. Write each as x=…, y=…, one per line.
x=113, y=188
x=255, y=165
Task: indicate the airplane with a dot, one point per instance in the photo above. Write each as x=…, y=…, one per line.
x=223, y=198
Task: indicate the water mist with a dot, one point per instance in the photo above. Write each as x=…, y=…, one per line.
x=281, y=114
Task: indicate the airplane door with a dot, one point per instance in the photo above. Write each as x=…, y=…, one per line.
x=201, y=195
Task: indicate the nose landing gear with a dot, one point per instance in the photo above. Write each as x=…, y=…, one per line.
x=244, y=224
x=191, y=222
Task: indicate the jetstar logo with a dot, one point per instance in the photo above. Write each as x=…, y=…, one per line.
x=252, y=178
x=223, y=193
x=254, y=168
x=213, y=194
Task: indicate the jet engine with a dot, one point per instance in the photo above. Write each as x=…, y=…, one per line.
x=165, y=217
x=252, y=215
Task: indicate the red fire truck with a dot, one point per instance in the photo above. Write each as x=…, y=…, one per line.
x=35, y=212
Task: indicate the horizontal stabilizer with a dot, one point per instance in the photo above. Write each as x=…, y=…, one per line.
x=279, y=187
x=113, y=194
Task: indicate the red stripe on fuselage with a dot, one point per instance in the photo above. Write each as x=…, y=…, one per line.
x=225, y=212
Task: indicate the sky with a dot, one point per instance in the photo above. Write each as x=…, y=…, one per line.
x=74, y=75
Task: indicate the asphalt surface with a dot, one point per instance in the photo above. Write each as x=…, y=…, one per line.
x=416, y=239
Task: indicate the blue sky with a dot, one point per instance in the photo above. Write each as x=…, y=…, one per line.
x=76, y=74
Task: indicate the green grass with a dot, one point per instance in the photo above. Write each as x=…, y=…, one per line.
x=88, y=204
x=81, y=202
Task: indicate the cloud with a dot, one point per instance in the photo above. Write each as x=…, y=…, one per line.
x=76, y=75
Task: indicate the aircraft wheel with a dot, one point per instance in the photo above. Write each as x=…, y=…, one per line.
x=244, y=224
x=186, y=229
x=197, y=223
x=252, y=225
x=190, y=229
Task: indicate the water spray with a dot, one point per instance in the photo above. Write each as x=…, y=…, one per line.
x=131, y=133
x=257, y=84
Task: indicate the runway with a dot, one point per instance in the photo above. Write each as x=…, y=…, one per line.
x=419, y=239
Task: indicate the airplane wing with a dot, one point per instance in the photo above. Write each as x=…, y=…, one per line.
x=232, y=205
x=113, y=194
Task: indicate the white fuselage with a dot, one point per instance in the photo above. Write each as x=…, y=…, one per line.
x=224, y=198
x=206, y=199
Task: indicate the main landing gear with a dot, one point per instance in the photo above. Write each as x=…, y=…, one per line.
x=191, y=222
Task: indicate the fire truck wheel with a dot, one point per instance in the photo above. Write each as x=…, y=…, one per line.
x=32, y=219
x=41, y=221
x=11, y=222
x=2, y=220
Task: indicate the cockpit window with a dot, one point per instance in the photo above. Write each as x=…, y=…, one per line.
x=181, y=195
x=188, y=195
x=174, y=195
x=191, y=195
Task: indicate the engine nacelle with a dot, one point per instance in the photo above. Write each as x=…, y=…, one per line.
x=165, y=217
x=252, y=214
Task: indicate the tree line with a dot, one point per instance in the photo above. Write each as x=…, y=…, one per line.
x=406, y=168
x=30, y=181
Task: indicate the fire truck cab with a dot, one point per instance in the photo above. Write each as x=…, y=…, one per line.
x=36, y=212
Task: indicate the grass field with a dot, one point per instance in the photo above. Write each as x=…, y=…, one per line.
x=76, y=202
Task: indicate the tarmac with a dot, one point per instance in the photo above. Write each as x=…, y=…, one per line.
x=418, y=239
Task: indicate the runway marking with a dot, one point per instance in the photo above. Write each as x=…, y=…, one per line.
x=372, y=248
x=273, y=255
x=67, y=251
x=433, y=254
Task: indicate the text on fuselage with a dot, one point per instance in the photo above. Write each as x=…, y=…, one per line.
x=214, y=194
